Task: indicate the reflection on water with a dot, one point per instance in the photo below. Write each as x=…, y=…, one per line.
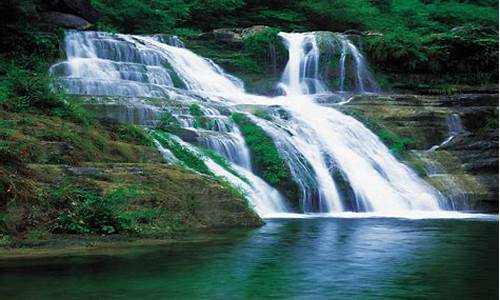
x=286, y=259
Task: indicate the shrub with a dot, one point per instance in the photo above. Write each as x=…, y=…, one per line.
x=86, y=211
x=167, y=121
x=133, y=134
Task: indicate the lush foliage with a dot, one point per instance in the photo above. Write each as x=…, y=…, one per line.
x=25, y=58
x=405, y=36
x=86, y=211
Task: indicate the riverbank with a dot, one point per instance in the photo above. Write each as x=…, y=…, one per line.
x=101, y=245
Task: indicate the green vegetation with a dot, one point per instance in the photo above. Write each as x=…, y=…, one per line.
x=58, y=176
x=187, y=157
x=195, y=111
x=83, y=211
x=168, y=122
x=266, y=159
x=457, y=38
x=264, y=152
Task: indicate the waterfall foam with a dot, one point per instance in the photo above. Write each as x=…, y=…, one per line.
x=327, y=152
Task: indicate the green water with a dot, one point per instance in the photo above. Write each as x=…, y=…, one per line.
x=285, y=259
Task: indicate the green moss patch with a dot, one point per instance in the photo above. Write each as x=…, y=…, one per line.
x=266, y=159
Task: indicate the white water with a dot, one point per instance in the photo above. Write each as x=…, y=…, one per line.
x=317, y=141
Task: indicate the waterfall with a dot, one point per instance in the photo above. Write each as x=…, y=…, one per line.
x=302, y=78
x=379, y=181
x=338, y=164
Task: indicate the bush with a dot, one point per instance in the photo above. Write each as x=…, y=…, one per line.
x=168, y=122
x=86, y=211
x=132, y=134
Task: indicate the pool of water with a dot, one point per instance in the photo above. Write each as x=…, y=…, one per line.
x=314, y=258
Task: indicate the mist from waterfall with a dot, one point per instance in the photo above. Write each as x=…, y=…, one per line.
x=338, y=164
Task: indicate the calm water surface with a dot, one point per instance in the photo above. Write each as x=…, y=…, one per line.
x=320, y=258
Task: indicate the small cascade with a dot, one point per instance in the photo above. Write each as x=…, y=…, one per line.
x=301, y=75
x=351, y=69
x=457, y=195
x=455, y=128
x=304, y=156
x=266, y=200
x=364, y=81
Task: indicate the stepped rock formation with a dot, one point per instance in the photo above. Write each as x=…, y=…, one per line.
x=466, y=166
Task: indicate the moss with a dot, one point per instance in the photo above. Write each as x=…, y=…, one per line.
x=176, y=80
x=266, y=159
x=133, y=134
x=37, y=138
x=199, y=120
x=189, y=158
x=168, y=122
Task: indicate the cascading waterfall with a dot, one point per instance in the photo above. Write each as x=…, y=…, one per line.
x=379, y=181
x=323, y=147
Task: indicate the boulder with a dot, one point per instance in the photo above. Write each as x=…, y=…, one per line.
x=249, y=31
x=64, y=20
x=232, y=35
x=224, y=35
x=81, y=8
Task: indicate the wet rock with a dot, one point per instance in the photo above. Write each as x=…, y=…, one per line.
x=232, y=35
x=81, y=8
x=468, y=164
x=64, y=20
x=249, y=31
x=224, y=35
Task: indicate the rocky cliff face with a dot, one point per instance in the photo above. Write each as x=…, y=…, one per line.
x=454, y=140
